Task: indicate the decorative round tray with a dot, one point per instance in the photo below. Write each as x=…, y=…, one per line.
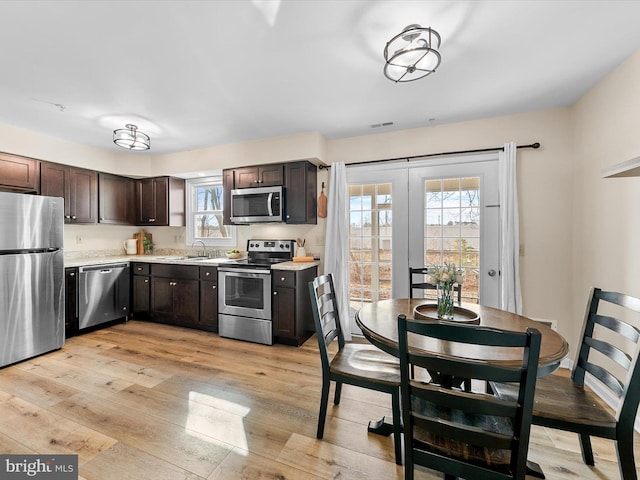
x=429, y=311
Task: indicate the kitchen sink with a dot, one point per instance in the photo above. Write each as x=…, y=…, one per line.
x=183, y=258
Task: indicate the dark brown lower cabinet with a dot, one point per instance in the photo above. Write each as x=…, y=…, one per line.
x=292, y=316
x=174, y=300
x=71, y=302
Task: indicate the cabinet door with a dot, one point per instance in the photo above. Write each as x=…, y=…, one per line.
x=54, y=182
x=145, y=202
x=246, y=177
x=83, y=195
x=71, y=302
x=186, y=297
x=141, y=294
x=209, y=305
x=116, y=199
x=271, y=175
x=162, y=298
x=19, y=173
x=161, y=201
x=300, y=193
x=284, y=312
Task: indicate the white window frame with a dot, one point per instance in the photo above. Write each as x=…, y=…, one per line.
x=192, y=186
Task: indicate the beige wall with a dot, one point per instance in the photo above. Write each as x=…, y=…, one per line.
x=606, y=227
x=575, y=226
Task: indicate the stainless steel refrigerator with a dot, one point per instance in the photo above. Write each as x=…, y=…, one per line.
x=31, y=276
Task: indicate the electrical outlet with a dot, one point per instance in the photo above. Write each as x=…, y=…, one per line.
x=320, y=240
x=79, y=239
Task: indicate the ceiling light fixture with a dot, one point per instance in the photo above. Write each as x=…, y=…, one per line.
x=131, y=139
x=412, y=54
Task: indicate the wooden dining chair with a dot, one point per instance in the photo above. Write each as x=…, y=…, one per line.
x=609, y=353
x=470, y=435
x=422, y=285
x=361, y=365
x=419, y=283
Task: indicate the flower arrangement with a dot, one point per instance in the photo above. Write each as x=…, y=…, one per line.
x=444, y=276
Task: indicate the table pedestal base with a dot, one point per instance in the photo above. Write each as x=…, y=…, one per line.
x=380, y=427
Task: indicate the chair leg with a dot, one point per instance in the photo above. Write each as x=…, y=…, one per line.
x=626, y=461
x=336, y=396
x=324, y=400
x=397, y=426
x=587, y=451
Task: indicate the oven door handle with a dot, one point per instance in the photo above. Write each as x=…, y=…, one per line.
x=245, y=272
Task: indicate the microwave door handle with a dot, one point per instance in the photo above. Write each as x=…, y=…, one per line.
x=269, y=202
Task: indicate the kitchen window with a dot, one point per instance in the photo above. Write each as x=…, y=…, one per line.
x=204, y=213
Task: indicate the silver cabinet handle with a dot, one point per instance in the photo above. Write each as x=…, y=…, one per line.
x=73, y=217
x=207, y=274
x=146, y=280
x=214, y=286
x=152, y=219
x=275, y=293
x=72, y=274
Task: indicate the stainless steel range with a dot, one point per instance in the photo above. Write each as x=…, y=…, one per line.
x=244, y=291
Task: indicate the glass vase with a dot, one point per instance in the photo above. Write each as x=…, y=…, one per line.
x=445, y=301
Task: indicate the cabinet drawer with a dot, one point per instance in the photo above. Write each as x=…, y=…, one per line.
x=140, y=268
x=209, y=273
x=284, y=279
x=174, y=271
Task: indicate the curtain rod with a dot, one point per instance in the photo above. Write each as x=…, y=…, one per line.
x=459, y=152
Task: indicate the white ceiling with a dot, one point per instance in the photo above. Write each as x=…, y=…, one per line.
x=193, y=74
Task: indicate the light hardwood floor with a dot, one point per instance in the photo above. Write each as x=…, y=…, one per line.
x=146, y=401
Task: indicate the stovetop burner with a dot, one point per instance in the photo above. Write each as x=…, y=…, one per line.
x=265, y=253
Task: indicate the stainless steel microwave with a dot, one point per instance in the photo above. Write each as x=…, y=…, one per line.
x=253, y=205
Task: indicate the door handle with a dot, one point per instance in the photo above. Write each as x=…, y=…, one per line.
x=492, y=273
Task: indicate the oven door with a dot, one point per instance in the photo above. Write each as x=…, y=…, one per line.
x=244, y=292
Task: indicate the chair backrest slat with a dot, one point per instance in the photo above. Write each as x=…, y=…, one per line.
x=465, y=433
x=485, y=404
x=614, y=353
x=628, y=331
x=607, y=378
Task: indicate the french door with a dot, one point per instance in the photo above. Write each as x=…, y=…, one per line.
x=428, y=213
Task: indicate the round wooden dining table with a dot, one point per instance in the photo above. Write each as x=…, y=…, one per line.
x=379, y=324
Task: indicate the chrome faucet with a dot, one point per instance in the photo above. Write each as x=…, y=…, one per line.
x=204, y=248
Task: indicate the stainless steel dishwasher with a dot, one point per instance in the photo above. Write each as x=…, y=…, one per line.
x=103, y=293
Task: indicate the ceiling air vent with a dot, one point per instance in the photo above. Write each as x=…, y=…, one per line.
x=378, y=125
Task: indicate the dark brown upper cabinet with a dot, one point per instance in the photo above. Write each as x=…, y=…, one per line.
x=116, y=199
x=301, y=182
x=259, y=176
x=78, y=187
x=160, y=202
x=19, y=174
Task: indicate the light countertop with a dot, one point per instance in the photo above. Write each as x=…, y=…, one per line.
x=173, y=259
